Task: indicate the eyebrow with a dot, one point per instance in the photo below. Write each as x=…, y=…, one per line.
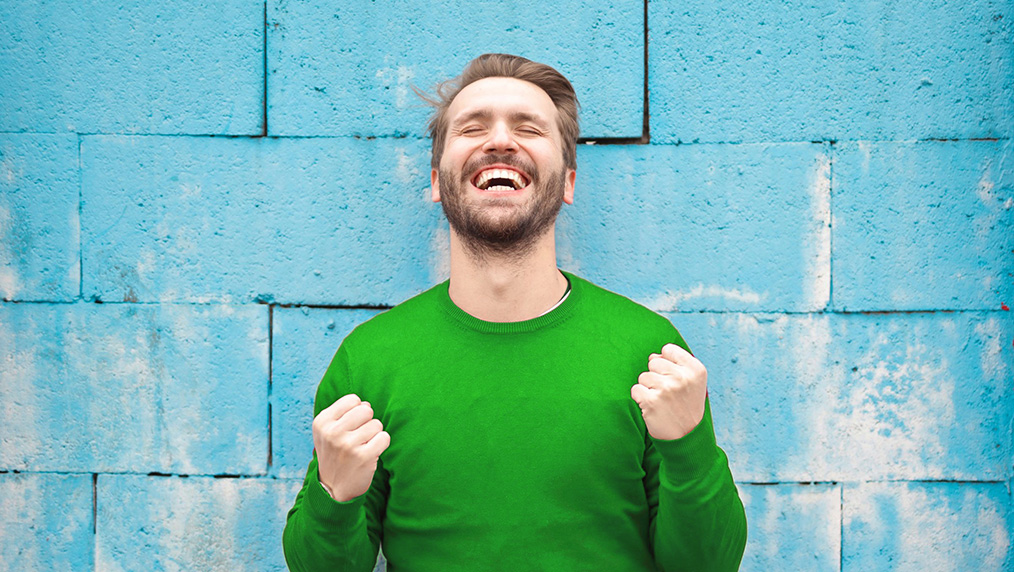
x=514, y=117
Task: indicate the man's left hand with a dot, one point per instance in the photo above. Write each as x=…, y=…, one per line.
x=671, y=393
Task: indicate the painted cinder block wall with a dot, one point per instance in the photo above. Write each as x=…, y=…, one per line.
x=199, y=200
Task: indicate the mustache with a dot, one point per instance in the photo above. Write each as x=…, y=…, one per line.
x=509, y=160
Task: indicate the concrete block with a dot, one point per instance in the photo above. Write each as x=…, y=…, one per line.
x=792, y=527
x=321, y=221
x=858, y=397
x=348, y=68
x=196, y=523
x=819, y=70
x=303, y=342
x=45, y=522
x=924, y=226
x=134, y=67
x=140, y=388
x=926, y=527
x=703, y=227
x=40, y=230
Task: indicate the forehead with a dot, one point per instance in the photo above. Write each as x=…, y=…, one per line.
x=502, y=96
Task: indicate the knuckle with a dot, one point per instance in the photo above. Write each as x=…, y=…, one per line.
x=361, y=455
x=342, y=440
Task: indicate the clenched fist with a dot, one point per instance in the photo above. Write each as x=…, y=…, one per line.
x=348, y=441
x=671, y=393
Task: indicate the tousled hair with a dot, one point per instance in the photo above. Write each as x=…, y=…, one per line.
x=545, y=77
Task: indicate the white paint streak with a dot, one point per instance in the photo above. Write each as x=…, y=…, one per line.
x=119, y=378
x=564, y=246
x=74, y=252
x=810, y=344
x=865, y=148
x=20, y=413
x=400, y=79
x=9, y=280
x=440, y=253
x=817, y=246
x=145, y=264
x=807, y=517
x=984, y=188
x=406, y=171
x=20, y=512
x=932, y=532
x=9, y=171
x=670, y=301
x=991, y=357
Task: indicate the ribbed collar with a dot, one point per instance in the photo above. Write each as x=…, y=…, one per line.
x=558, y=314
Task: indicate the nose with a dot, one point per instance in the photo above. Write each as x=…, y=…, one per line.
x=500, y=139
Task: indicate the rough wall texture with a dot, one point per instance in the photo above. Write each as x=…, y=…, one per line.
x=198, y=200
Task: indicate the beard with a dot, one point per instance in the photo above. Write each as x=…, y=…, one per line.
x=513, y=233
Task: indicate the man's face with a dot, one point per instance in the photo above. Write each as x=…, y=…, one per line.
x=502, y=177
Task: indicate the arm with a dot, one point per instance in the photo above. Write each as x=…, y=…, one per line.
x=320, y=532
x=697, y=521
x=697, y=517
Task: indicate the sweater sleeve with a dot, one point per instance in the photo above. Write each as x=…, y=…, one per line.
x=320, y=532
x=697, y=518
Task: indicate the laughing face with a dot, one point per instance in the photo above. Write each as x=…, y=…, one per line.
x=502, y=178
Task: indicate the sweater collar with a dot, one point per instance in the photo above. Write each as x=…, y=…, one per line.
x=561, y=312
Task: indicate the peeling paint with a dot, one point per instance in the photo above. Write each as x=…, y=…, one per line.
x=927, y=526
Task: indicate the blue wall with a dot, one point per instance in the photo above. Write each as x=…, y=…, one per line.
x=196, y=197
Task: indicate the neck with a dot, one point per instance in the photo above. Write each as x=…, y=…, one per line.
x=502, y=289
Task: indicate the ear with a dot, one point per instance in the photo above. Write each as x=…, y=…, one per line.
x=568, y=190
x=434, y=186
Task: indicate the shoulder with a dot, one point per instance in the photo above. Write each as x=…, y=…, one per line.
x=402, y=323
x=621, y=314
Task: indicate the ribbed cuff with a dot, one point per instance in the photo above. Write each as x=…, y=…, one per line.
x=691, y=456
x=347, y=515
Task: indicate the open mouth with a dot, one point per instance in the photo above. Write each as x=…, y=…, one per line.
x=499, y=180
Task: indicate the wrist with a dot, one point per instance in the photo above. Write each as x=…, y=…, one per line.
x=327, y=489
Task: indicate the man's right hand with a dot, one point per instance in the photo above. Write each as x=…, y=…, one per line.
x=348, y=441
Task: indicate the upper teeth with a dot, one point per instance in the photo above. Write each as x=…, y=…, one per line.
x=486, y=176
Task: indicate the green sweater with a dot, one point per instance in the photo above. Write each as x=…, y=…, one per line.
x=516, y=446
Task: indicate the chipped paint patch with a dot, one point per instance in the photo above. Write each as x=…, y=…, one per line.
x=45, y=522
x=792, y=526
x=926, y=526
x=196, y=523
x=903, y=393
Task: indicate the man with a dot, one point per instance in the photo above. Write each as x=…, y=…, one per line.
x=515, y=417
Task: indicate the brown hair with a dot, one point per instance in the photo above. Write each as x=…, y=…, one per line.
x=504, y=65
